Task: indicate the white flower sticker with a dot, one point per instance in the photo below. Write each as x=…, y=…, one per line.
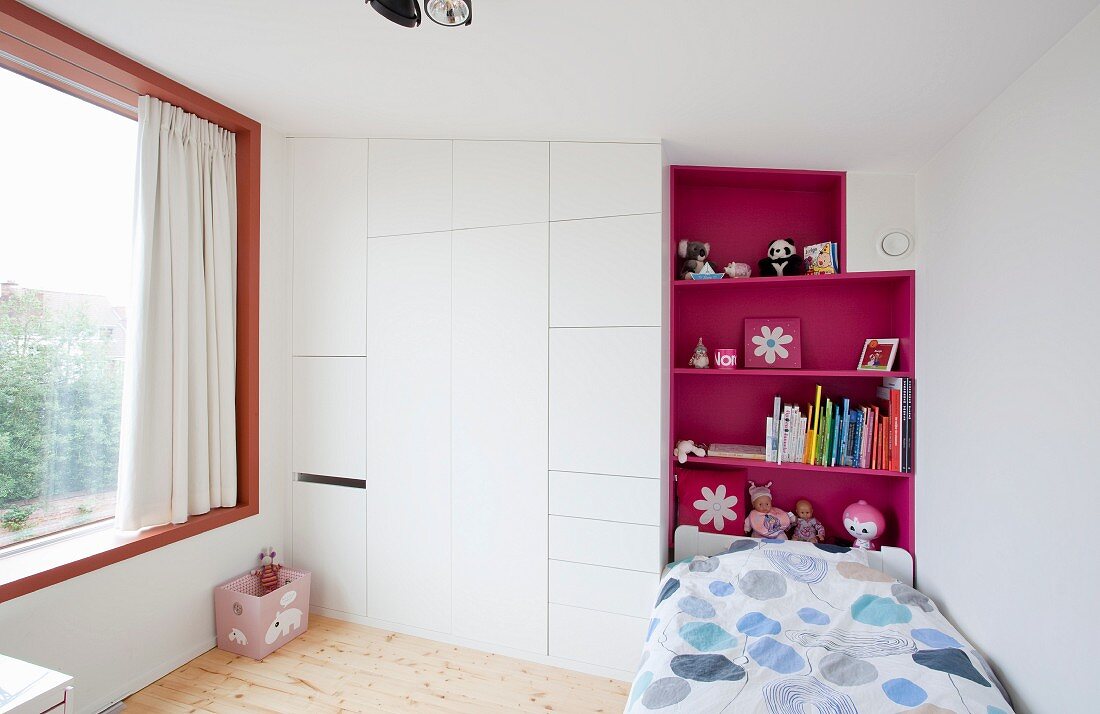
x=769, y=343
x=716, y=506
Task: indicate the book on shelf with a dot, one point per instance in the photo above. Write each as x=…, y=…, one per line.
x=842, y=432
x=737, y=451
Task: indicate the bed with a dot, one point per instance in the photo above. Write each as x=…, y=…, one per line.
x=746, y=625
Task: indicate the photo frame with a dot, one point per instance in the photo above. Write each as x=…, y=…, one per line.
x=878, y=355
x=773, y=342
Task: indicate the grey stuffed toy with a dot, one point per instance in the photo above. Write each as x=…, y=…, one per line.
x=695, y=255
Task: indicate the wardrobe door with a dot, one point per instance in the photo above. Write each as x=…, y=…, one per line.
x=409, y=184
x=330, y=403
x=590, y=179
x=330, y=539
x=409, y=430
x=329, y=179
x=500, y=183
x=499, y=466
x=605, y=410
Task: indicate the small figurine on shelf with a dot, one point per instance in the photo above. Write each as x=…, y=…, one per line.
x=268, y=572
x=783, y=259
x=806, y=527
x=739, y=270
x=687, y=447
x=694, y=255
x=764, y=520
x=699, y=358
x=864, y=523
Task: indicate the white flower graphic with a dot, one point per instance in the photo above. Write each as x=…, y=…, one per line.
x=770, y=343
x=716, y=507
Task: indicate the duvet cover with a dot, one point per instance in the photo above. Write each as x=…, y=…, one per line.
x=783, y=627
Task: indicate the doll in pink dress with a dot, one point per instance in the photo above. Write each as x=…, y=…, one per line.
x=806, y=527
x=764, y=521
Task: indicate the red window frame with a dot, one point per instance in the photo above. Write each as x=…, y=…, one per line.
x=69, y=55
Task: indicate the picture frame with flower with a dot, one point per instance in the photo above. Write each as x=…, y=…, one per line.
x=773, y=343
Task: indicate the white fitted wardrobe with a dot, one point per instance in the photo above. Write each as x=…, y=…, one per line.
x=478, y=404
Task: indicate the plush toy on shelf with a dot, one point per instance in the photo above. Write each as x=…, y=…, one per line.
x=739, y=270
x=687, y=447
x=806, y=527
x=783, y=259
x=864, y=522
x=699, y=358
x=268, y=572
x=764, y=520
x=694, y=255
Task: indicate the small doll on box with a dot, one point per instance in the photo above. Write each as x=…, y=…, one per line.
x=806, y=527
x=268, y=572
x=765, y=521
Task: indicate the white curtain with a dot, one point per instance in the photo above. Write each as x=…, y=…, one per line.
x=178, y=454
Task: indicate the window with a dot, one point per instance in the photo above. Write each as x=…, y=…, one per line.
x=66, y=204
x=38, y=46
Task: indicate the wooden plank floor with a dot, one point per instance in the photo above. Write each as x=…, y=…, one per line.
x=341, y=667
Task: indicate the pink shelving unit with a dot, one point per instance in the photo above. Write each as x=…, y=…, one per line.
x=739, y=211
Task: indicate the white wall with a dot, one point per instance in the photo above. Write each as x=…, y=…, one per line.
x=121, y=627
x=1008, y=214
x=878, y=204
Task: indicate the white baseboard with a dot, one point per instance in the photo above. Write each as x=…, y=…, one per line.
x=449, y=639
x=144, y=679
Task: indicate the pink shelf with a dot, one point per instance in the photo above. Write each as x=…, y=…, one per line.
x=810, y=373
x=723, y=462
x=795, y=280
x=739, y=211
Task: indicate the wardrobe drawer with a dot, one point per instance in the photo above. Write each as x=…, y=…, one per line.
x=329, y=531
x=624, y=592
x=600, y=638
x=615, y=545
x=329, y=419
x=607, y=498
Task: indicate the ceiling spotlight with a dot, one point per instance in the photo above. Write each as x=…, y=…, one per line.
x=450, y=13
x=404, y=12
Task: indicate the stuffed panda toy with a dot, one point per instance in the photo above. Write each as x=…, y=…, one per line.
x=783, y=259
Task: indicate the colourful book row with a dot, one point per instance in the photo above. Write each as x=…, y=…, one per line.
x=841, y=433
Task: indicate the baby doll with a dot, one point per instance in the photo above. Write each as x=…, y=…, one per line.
x=806, y=527
x=764, y=521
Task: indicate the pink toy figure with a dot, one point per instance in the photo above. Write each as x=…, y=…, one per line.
x=764, y=521
x=268, y=572
x=806, y=527
x=865, y=523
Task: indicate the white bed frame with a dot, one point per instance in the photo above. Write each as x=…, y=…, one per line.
x=895, y=562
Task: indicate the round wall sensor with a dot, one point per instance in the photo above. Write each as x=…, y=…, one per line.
x=895, y=244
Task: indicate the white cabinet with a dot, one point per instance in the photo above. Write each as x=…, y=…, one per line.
x=409, y=189
x=603, y=638
x=499, y=423
x=614, y=545
x=589, y=180
x=605, y=401
x=330, y=540
x=499, y=183
x=625, y=592
x=409, y=429
x=611, y=498
x=606, y=271
x=329, y=421
x=329, y=181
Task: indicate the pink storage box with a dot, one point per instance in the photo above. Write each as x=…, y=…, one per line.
x=255, y=624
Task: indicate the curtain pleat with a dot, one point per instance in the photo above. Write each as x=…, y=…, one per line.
x=178, y=453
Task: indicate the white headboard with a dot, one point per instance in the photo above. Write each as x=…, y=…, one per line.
x=895, y=562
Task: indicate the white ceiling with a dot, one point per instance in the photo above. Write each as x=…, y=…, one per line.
x=871, y=85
